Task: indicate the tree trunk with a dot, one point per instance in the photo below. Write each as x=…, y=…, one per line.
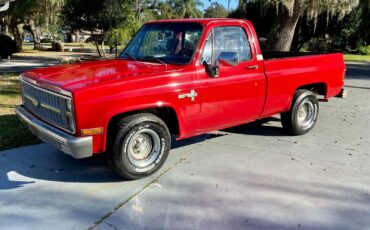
x=2, y=29
x=32, y=29
x=138, y=9
x=77, y=33
x=97, y=47
x=283, y=28
x=13, y=27
x=2, y=26
x=102, y=48
x=298, y=39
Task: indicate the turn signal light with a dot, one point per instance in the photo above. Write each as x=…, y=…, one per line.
x=89, y=132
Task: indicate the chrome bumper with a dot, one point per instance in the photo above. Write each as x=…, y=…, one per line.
x=78, y=147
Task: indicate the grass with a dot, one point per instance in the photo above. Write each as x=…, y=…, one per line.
x=13, y=133
x=358, y=58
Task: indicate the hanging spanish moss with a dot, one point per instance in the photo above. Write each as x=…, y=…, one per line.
x=289, y=11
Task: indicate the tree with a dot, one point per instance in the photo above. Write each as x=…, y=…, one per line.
x=99, y=17
x=363, y=30
x=30, y=26
x=216, y=10
x=48, y=16
x=332, y=33
x=164, y=10
x=289, y=12
x=20, y=12
x=187, y=8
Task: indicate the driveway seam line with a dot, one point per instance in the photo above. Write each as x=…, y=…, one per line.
x=121, y=204
x=356, y=87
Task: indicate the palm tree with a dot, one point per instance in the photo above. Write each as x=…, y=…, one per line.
x=188, y=8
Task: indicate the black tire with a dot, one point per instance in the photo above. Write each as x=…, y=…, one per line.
x=124, y=156
x=297, y=122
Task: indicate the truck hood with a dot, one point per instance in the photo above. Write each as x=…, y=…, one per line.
x=79, y=75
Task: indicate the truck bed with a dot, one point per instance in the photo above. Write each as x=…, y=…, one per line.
x=288, y=71
x=267, y=55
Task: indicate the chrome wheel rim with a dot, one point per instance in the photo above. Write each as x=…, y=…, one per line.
x=143, y=148
x=306, y=114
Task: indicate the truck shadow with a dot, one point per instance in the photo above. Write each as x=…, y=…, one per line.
x=358, y=71
x=264, y=127
x=30, y=164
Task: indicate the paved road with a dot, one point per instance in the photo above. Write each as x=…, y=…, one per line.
x=248, y=177
x=22, y=62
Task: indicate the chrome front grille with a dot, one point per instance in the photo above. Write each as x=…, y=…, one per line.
x=49, y=106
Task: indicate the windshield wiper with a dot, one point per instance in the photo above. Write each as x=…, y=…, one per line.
x=154, y=58
x=130, y=56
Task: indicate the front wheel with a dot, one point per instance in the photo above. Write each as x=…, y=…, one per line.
x=303, y=114
x=141, y=146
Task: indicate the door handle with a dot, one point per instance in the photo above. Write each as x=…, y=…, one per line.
x=192, y=95
x=252, y=67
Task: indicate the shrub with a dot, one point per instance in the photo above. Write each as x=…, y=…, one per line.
x=7, y=46
x=363, y=50
x=57, y=46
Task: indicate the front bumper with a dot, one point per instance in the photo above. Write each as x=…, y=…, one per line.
x=78, y=147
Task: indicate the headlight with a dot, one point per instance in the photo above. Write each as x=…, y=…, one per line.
x=71, y=123
x=69, y=114
x=69, y=105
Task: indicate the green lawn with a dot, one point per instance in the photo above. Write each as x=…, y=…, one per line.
x=13, y=133
x=353, y=57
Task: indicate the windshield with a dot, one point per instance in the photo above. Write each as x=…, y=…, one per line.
x=170, y=43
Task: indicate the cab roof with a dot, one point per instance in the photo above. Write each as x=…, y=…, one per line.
x=203, y=21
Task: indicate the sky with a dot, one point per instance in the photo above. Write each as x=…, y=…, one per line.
x=233, y=3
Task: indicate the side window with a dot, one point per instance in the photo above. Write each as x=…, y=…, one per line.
x=208, y=50
x=231, y=39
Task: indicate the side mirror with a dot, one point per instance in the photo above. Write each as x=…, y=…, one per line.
x=231, y=58
x=212, y=70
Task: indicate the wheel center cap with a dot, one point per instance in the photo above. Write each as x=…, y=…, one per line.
x=141, y=147
x=302, y=113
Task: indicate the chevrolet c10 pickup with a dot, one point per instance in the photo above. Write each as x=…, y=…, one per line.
x=177, y=78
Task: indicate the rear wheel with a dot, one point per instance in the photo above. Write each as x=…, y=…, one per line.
x=141, y=146
x=303, y=114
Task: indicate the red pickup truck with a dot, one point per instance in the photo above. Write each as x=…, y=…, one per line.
x=175, y=77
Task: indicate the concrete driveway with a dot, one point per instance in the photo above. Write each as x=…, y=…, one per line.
x=248, y=177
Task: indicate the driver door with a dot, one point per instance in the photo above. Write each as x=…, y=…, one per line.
x=237, y=94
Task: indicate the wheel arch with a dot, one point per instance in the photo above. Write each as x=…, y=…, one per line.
x=167, y=113
x=319, y=88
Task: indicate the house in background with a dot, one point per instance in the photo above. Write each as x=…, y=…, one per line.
x=67, y=35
